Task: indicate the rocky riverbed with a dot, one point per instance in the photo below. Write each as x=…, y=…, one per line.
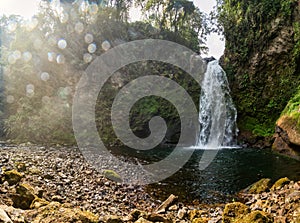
x=39, y=184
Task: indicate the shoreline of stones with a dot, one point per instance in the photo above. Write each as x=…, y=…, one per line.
x=39, y=184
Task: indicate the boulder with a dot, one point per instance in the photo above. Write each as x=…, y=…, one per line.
x=234, y=211
x=56, y=213
x=256, y=217
x=12, y=177
x=280, y=183
x=287, y=137
x=286, y=124
x=24, y=196
x=258, y=187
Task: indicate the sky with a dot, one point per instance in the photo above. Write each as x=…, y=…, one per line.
x=215, y=45
x=27, y=8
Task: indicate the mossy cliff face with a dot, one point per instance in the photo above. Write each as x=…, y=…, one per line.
x=262, y=61
x=287, y=136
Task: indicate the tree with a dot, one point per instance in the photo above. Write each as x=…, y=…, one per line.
x=181, y=17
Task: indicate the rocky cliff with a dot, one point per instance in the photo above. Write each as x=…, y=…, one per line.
x=262, y=62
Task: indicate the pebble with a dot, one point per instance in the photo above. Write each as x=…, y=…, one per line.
x=62, y=174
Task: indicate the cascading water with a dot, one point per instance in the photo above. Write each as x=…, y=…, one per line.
x=217, y=113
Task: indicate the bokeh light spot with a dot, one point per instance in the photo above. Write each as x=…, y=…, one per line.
x=12, y=26
x=62, y=44
x=45, y=76
x=92, y=48
x=46, y=99
x=105, y=45
x=29, y=90
x=11, y=59
x=79, y=27
x=89, y=38
x=60, y=59
x=51, y=56
x=17, y=54
x=27, y=56
x=87, y=58
x=93, y=9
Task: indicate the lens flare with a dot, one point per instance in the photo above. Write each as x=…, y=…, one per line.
x=105, y=45
x=12, y=26
x=87, y=58
x=17, y=54
x=60, y=59
x=45, y=76
x=79, y=27
x=93, y=9
x=89, y=38
x=51, y=56
x=92, y=48
x=11, y=59
x=62, y=44
x=29, y=90
x=27, y=56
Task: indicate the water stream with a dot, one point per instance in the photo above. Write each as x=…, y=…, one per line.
x=217, y=113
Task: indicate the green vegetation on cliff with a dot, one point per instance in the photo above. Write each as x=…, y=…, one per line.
x=261, y=59
x=292, y=110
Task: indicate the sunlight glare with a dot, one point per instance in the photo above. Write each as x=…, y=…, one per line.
x=26, y=9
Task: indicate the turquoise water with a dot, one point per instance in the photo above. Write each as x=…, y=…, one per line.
x=231, y=171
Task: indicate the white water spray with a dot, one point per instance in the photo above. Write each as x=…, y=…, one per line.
x=217, y=113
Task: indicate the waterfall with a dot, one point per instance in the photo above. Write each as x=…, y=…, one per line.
x=217, y=113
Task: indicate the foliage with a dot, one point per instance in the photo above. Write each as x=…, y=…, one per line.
x=147, y=107
x=44, y=58
x=258, y=129
x=296, y=51
x=292, y=109
x=244, y=22
x=261, y=58
x=178, y=16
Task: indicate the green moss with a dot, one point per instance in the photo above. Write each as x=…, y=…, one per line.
x=256, y=217
x=234, y=211
x=296, y=27
x=292, y=110
x=200, y=220
x=280, y=183
x=112, y=175
x=259, y=186
x=55, y=212
x=12, y=177
x=24, y=196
